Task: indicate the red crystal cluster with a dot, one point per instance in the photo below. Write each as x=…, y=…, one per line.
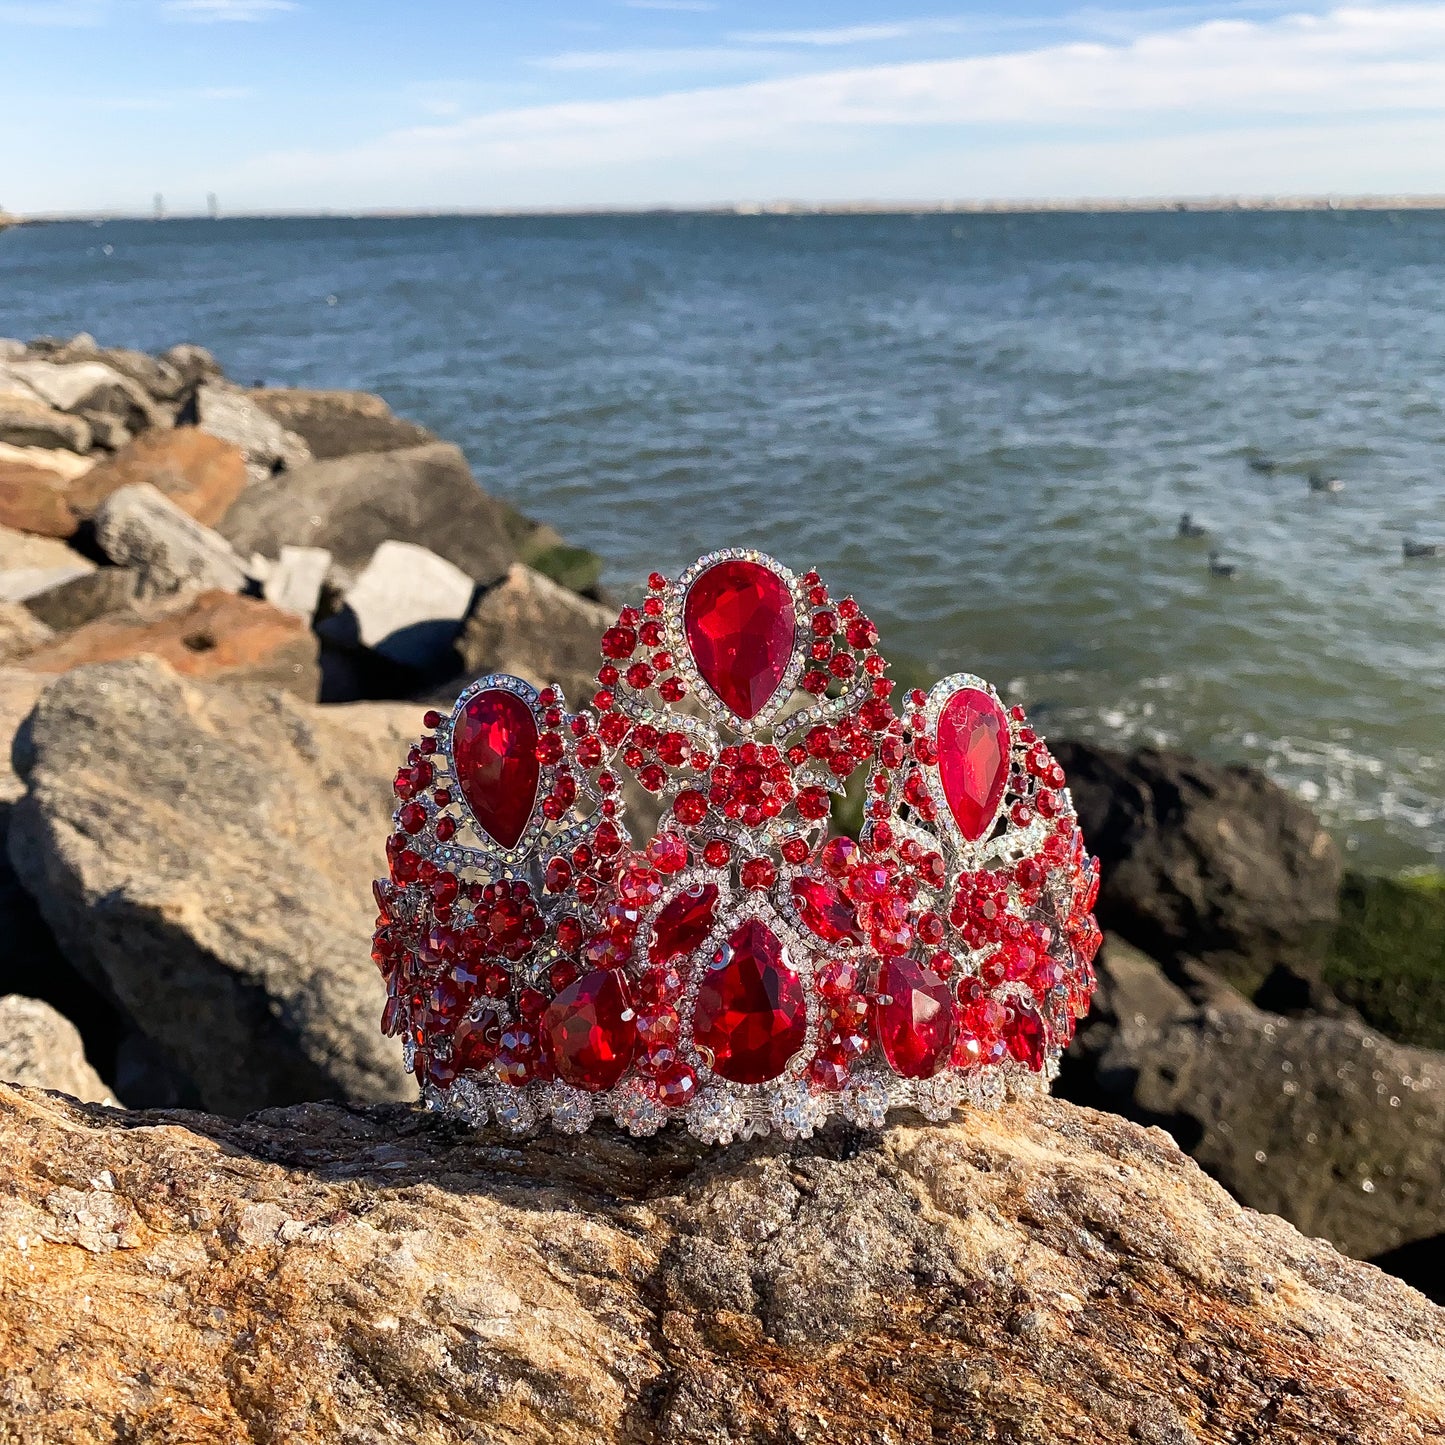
x=740, y=968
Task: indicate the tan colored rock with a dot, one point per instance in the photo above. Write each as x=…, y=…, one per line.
x=88, y=386
x=42, y=1049
x=204, y=854
x=64, y=465
x=83, y=599
x=31, y=564
x=33, y=423
x=326, y=1274
x=215, y=635
x=200, y=473
x=20, y=631
x=339, y=423
x=530, y=626
x=229, y=413
x=33, y=500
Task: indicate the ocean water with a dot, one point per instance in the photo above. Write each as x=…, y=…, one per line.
x=985, y=426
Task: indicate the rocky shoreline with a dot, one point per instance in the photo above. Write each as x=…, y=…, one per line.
x=218, y=608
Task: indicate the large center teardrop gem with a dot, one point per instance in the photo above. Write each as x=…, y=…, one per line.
x=590, y=1031
x=494, y=756
x=973, y=759
x=741, y=629
x=914, y=1018
x=750, y=1013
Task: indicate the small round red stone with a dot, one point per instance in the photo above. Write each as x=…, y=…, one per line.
x=741, y=629
x=750, y=1014
x=973, y=759
x=494, y=755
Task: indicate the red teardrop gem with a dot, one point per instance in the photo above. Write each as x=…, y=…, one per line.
x=915, y=1026
x=494, y=754
x=973, y=759
x=740, y=627
x=750, y=1013
x=683, y=924
x=825, y=911
x=590, y=1031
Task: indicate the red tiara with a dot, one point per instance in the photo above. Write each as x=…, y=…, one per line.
x=739, y=967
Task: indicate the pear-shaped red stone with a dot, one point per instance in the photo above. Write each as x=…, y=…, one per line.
x=914, y=1018
x=825, y=911
x=682, y=924
x=741, y=630
x=750, y=1013
x=494, y=756
x=973, y=759
x=590, y=1031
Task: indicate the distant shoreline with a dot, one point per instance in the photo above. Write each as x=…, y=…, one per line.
x=1149, y=205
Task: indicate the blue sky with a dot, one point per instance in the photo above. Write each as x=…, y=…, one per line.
x=354, y=104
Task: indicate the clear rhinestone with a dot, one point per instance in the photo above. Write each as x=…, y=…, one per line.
x=639, y=1114
x=714, y=1118
x=991, y=1091
x=514, y=1110
x=572, y=1112
x=797, y=1112
x=937, y=1097
x=866, y=1103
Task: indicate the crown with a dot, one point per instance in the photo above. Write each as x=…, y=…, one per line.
x=738, y=967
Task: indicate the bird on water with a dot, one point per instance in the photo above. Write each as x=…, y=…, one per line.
x=1218, y=567
x=1417, y=551
x=1321, y=483
x=1189, y=529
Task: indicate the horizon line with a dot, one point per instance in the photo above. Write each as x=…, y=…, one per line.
x=779, y=207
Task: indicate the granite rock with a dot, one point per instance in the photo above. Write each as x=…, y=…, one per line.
x=138, y=526
x=351, y=505
x=1204, y=862
x=339, y=423
x=30, y=422
x=83, y=599
x=20, y=631
x=229, y=413
x=204, y=855
x=327, y=1273
x=42, y=1049
x=200, y=473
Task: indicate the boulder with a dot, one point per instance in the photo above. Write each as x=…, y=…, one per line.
x=20, y=631
x=193, y=363
x=88, y=387
x=204, y=854
x=200, y=473
x=42, y=1049
x=530, y=626
x=229, y=413
x=155, y=376
x=30, y=564
x=1206, y=862
x=33, y=423
x=339, y=423
x=351, y=505
x=294, y=581
x=62, y=465
x=33, y=499
x=215, y=635
x=407, y=606
x=82, y=599
x=327, y=1273
x=138, y=526
x=1387, y=959
x=1321, y=1120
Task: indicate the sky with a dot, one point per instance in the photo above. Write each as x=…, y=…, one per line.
x=305, y=105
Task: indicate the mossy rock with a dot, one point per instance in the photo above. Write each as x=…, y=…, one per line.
x=572, y=567
x=1387, y=959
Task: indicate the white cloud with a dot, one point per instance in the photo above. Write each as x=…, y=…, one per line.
x=225, y=10
x=657, y=60
x=1125, y=108
x=846, y=34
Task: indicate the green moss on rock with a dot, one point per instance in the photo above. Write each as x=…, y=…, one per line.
x=1387, y=959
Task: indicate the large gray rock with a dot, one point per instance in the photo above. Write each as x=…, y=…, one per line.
x=339, y=423
x=88, y=388
x=1319, y=1119
x=229, y=413
x=329, y=1274
x=530, y=626
x=30, y=565
x=1204, y=862
x=83, y=599
x=30, y=422
x=42, y=1049
x=204, y=855
x=407, y=606
x=140, y=527
x=351, y=505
